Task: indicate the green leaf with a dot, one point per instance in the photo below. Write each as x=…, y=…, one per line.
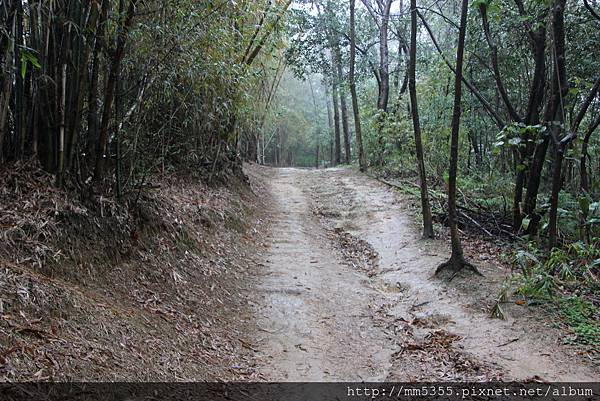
x=23, y=67
x=28, y=57
x=584, y=205
x=573, y=92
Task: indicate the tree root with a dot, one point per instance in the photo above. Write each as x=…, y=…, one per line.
x=455, y=265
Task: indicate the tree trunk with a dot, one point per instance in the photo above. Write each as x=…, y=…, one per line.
x=330, y=125
x=85, y=44
x=345, y=126
x=560, y=88
x=559, y=151
x=357, y=128
x=61, y=135
x=425, y=208
x=384, y=58
x=536, y=97
x=384, y=78
x=317, y=148
x=110, y=91
x=93, y=106
x=457, y=261
x=343, y=106
x=6, y=68
x=336, y=125
x=19, y=91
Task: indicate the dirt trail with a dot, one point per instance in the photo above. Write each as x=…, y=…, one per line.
x=315, y=315
x=321, y=318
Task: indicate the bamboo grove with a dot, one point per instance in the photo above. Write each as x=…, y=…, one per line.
x=530, y=101
x=116, y=90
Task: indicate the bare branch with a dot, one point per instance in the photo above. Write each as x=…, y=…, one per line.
x=591, y=10
x=585, y=105
x=494, y=56
x=488, y=107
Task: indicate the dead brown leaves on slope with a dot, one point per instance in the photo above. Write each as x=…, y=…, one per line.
x=106, y=291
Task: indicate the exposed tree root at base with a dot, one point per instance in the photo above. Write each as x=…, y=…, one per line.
x=455, y=265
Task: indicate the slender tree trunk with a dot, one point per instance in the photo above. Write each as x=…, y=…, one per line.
x=357, y=127
x=560, y=88
x=61, y=135
x=518, y=197
x=457, y=261
x=110, y=91
x=332, y=38
x=384, y=83
x=559, y=151
x=318, y=134
x=117, y=136
x=382, y=18
x=339, y=79
x=512, y=112
x=384, y=58
x=6, y=68
x=35, y=43
x=336, y=125
x=330, y=125
x=93, y=106
x=19, y=92
x=345, y=127
x=317, y=131
x=83, y=60
x=536, y=96
x=47, y=108
x=412, y=85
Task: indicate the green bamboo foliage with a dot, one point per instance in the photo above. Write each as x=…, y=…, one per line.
x=161, y=83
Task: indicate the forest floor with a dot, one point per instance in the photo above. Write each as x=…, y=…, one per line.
x=346, y=292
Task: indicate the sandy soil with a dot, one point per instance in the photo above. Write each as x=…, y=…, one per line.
x=322, y=314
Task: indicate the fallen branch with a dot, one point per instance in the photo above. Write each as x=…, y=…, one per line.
x=476, y=223
x=508, y=342
x=464, y=211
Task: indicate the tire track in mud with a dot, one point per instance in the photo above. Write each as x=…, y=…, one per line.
x=315, y=312
x=425, y=350
x=348, y=295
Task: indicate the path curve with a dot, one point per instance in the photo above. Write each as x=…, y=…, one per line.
x=320, y=318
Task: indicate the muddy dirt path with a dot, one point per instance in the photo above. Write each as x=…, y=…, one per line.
x=321, y=317
x=315, y=314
